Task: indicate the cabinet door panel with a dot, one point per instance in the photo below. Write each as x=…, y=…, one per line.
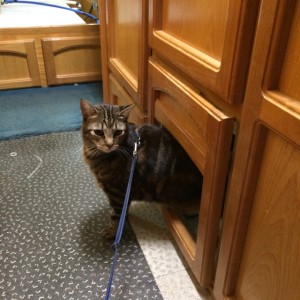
x=19, y=65
x=179, y=20
x=204, y=38
x=126, y=45
x=205, y=133
x=70, y=59
x=270, y=266
x=259, y=253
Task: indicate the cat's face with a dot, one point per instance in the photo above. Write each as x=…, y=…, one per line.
x=104, y=126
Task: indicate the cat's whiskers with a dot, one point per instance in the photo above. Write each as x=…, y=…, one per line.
x=125, y=151
x=93, y=151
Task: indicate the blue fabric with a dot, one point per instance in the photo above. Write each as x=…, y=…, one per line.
x=35, y=111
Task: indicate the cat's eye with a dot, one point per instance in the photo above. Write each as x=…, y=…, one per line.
x=98, y=132
x=118, y=132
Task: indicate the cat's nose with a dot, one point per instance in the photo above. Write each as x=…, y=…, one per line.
x=109, y=142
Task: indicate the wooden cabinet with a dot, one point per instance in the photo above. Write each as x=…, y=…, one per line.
x=43, y=56
x=200, y=53
x=259, y=256
x=223, y=77
x=125, y=51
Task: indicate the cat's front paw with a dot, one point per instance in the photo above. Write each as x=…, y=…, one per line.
x=109, y=232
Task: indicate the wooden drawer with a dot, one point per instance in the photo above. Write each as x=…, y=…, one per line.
x=119, y=96
x=206, y=134
x=19, y=64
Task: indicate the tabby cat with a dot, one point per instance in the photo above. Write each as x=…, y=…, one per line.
x=164, y=172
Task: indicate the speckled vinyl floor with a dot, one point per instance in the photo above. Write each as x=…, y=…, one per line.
x=51, y=213
x=169, y=269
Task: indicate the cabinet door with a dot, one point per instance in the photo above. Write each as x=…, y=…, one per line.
x=259, y=255
x=19, y=64
x=71, y=59
x=210, y=40
x=124, y=33
x=205, y=133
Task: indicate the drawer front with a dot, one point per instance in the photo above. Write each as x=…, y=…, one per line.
x=119, y=96
x=209, y=40
x=206, y=134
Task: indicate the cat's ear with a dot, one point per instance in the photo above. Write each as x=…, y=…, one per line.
x=125, y=110
x=87, y=109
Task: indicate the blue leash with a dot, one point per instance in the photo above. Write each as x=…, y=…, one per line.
x=122, y=218
x=53, y=5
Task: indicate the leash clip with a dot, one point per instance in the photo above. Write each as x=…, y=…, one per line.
x=136, y=144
